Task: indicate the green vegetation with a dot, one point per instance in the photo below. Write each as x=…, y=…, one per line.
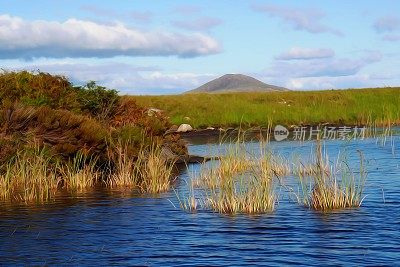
x=349, y=107
x=56, y=136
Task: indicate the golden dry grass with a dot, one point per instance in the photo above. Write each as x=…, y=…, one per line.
x=327, y=191
x=28, y=178
x=155, y=171
x=239, y=183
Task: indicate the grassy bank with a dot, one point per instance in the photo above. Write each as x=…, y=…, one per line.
x=57, y=136
x=350, y=107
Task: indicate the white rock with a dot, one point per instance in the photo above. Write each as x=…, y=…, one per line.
x=183, y=128
x=154, y=112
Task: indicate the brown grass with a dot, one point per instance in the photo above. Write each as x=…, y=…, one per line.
x=330, y=192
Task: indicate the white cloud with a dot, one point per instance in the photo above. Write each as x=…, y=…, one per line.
x=199, y=24
x=352, y=81
x=126, y=78
x=388, y=27
x=327, y=73
x=391, y=37
x=387, y=24
x=77, y=38
x=296, y=53
x=303, y=19
x=316, y=68
x=319, y=67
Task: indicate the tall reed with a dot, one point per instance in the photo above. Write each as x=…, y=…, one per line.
x=155, y=171
x=327, y=191
x=241, y=182
x=80, y=174
x=126, y=173
x=29, y=178
x=251, y=192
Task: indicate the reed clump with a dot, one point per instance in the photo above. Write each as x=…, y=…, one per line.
x=329, y=191
x=251, y=192
x=28, y=178
x=149, y=172
x=239, y=183
x=190, y=202
x=126, y=172
x=154, y=170
x=80, y=174
x=34, y=176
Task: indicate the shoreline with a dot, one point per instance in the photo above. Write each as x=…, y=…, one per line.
x=201, y=136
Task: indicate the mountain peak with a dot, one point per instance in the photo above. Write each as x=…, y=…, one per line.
x=236, y=83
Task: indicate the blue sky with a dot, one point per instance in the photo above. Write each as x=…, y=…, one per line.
x=166, y=47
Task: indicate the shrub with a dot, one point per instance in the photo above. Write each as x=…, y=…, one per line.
x=37, y=89
x=98, y=101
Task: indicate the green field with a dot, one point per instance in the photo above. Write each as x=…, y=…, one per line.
x=350, y=107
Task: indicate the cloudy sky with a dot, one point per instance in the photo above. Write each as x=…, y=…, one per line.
x=166, y=47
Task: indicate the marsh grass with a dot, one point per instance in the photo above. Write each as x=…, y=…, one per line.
x=28, y=178
x=250, y=193
x=126, y=171
x=155, y=171
x=236, y=160
x=33, y=176
x=189, y=202
x=240, y=182
x=337, y=189
x=80, y=174
x=310, y=169
x=150, y=172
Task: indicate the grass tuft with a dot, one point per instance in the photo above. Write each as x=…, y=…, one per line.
x=155, y=171
x=28, y=178
x=238, y=183
x=330, y=192
x=81, y=174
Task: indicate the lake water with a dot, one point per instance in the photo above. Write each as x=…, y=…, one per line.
x=118, y=228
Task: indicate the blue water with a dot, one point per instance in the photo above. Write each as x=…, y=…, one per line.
x=115, y=228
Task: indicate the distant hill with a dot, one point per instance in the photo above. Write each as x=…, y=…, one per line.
x=236, y=83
